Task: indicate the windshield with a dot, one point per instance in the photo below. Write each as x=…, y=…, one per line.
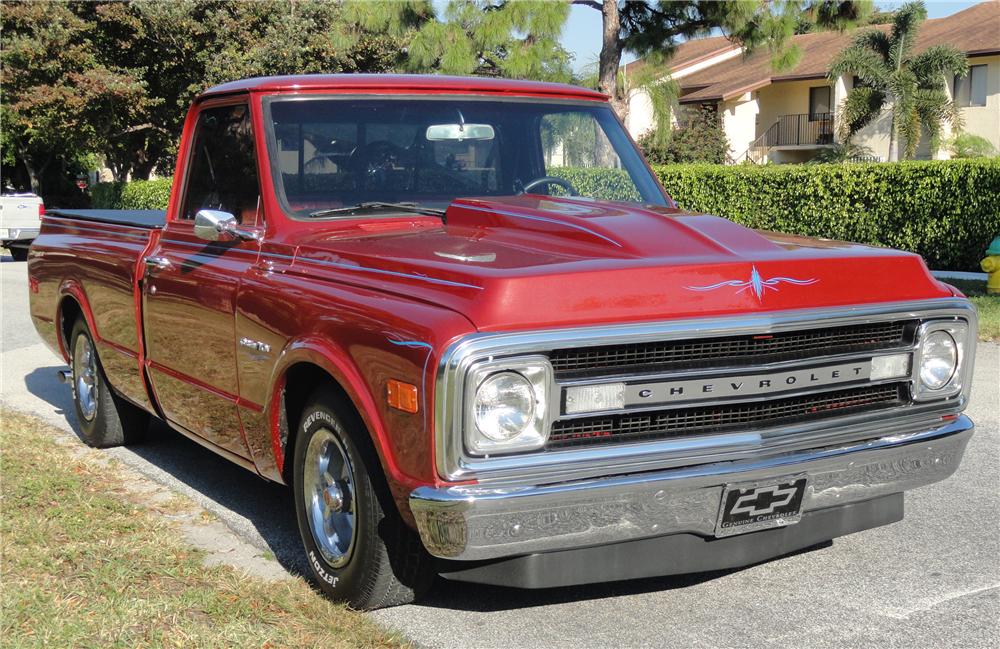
x=330, y=153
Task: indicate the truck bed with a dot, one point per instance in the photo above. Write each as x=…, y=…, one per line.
x=151, y=219
x=93, y=256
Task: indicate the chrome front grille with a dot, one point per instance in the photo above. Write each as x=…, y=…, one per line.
x=615, y=401
x=706, y=353
x=708, y=420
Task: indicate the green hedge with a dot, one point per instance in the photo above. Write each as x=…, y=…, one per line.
x=106, y=196
x=606, y=184
x=146, y=195
x=947, y=211
x=136, y=195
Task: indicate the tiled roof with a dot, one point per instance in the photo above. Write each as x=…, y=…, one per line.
x=689, y=53
x=975, y=30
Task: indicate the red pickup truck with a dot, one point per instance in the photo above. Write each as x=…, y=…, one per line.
x=461, y=319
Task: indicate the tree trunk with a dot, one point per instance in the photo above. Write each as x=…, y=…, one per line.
x=36, y=182
x=611, y=56
x=893, y=155
x=143, y=166
x=34, y=172
x=607, y=82
x=119, y=169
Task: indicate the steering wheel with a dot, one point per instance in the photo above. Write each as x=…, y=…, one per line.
x=376, y=156
x=550, y=180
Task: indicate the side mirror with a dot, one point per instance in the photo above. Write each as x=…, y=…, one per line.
x=212, y=225
x=215, y=225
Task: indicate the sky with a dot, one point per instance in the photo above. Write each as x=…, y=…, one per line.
x=582, y=34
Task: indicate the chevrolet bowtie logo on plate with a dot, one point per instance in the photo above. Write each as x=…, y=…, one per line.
x=756, y=283
x=761, y=505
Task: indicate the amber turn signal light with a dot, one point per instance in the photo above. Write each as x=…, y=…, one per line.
x=402, y=396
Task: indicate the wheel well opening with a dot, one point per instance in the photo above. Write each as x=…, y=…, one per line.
x=301, y=381
x=69, y=311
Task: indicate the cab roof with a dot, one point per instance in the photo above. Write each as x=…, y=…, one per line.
x=403, y=84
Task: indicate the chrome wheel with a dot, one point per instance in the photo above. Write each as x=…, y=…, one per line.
x=85, y=376
x=328, y=490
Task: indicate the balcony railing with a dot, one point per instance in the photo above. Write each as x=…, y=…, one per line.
x=806, y=129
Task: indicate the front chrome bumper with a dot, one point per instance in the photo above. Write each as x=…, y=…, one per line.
x=473, y=522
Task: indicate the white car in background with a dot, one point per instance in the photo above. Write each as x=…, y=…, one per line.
x=20, y=218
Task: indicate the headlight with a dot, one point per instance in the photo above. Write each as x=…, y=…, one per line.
x=938, y=369
x=938, y=360
x=504, y=406
x=507, y=406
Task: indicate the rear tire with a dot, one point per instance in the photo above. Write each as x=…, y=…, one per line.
x=105, y=418
x=19, y=254
x=359, y=549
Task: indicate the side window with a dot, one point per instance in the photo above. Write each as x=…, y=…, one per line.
x=223, y=171
x=971, y=89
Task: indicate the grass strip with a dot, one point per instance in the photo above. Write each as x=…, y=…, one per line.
x=987, y=305
x=83, y=565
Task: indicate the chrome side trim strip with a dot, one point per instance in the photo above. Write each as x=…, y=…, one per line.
x=454, y=465
x=471, y=522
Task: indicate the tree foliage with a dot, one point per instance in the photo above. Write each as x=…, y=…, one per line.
x=911, y=87
x=60, y=99
x=654, y=28
x=496, y=38
x=116, y=78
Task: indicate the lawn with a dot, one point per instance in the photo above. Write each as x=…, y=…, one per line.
x=987, y=305
x=83, y=565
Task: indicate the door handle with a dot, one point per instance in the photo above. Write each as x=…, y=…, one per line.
x=156, y=263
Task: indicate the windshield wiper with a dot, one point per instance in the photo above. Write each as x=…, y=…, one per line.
x=374, y=205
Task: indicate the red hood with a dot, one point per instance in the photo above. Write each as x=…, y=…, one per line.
x=532, y=261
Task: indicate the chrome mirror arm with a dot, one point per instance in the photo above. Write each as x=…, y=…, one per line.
x=244, y=234
x=216, y=225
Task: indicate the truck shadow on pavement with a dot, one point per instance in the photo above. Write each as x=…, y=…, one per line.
x=244, y=499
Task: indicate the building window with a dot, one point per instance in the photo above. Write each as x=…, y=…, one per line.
x=971, y=89
x=819, y=104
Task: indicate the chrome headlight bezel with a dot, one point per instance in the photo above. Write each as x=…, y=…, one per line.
x=959, y=331
x=537, y=371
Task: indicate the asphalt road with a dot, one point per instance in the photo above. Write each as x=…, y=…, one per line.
x=932, y=580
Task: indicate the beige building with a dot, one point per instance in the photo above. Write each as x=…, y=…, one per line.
x=789, y=117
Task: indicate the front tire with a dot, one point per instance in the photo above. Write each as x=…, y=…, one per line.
x=105, y=418
x=18, y=254
x=359, y=549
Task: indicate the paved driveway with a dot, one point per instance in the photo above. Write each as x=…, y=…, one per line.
x=932, y=580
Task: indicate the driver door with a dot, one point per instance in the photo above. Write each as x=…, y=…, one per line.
x=190, y=287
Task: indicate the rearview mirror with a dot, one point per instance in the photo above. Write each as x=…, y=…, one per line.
x=211, y=225
x=459, y=132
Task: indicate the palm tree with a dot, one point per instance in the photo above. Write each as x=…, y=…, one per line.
x=911, y=88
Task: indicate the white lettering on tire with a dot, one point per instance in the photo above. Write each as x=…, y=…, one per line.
x=320, y=572
x=316, y=416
